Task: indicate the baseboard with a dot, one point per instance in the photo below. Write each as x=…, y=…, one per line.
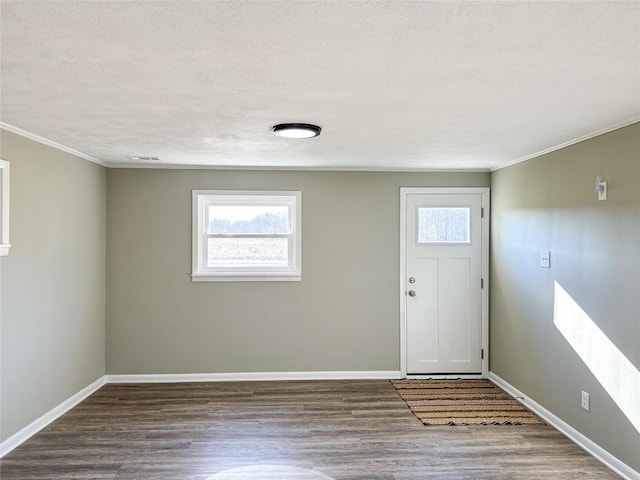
x=34, y=427
x=252, y=376
x=581, y=440
x=444, y=377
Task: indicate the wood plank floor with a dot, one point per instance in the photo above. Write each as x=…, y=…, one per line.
x=329, y=430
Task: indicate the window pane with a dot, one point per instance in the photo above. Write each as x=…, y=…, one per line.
x=443, y=224
x=248, y=219
x=248, y=252
x=242, y=235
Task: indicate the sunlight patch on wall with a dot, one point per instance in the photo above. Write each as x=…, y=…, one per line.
x=619, y=377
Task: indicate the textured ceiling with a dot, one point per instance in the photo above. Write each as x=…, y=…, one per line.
x=394, y=85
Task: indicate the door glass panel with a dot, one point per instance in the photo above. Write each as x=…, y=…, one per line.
x=450, y=225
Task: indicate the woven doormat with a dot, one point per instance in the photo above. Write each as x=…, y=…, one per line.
x=462, y=402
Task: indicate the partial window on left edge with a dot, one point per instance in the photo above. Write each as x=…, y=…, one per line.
x=4, y=208
x=246, y=235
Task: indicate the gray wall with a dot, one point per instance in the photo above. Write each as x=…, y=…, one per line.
x=52, y=296
x=550, y=203
x=342, y=316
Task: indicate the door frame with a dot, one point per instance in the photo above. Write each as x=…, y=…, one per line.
x=484, y=192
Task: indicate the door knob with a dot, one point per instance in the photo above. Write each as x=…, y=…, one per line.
x=412, y=293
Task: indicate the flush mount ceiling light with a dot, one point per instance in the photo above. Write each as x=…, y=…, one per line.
x=296, y=130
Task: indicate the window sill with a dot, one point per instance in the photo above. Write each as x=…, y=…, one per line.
x=249, y=277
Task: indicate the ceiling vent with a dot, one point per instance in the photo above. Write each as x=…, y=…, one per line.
x=144, y=159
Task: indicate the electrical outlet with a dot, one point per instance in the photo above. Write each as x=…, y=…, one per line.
x=584, y=401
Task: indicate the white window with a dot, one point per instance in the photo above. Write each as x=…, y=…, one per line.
x=246, y=235
x=4, y=208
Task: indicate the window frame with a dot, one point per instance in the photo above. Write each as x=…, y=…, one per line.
x=202, y=199
x=5, y=244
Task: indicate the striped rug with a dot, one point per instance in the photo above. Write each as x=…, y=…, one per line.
x=462, y=402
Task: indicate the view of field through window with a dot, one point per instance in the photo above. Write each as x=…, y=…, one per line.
x=241, y=235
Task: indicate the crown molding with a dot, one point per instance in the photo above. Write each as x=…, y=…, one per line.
x=50, y=143
x=568, y=143
x=190, y=166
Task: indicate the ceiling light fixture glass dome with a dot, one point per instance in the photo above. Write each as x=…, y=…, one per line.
x=296, y=130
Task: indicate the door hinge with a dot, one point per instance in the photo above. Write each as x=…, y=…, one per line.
x=482, y=213
x=482, y=283
x=482, y=354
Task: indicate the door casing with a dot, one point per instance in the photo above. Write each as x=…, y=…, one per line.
x=484, y=192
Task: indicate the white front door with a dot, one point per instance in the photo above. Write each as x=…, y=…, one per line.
x=444, y=301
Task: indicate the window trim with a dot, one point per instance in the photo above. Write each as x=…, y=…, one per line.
x=202, y=198
x=5, y=244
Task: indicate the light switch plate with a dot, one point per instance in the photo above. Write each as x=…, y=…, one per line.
x=545, y=259
x=602, y=191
